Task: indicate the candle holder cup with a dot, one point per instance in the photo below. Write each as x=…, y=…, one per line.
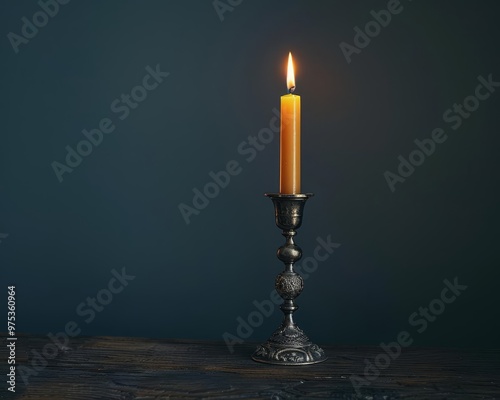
x=288, y=345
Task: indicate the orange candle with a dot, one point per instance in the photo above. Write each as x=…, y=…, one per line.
x=290, y=136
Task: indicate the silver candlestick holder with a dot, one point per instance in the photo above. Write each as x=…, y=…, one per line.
x=288, y=345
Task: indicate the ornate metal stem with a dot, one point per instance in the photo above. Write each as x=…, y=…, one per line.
x=288, y=345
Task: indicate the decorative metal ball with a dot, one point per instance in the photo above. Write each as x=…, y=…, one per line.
x=289, y=253
x=289, y=285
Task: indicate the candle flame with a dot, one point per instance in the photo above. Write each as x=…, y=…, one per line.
x=290, y=76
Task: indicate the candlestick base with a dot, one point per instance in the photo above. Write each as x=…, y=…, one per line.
x=288, y=345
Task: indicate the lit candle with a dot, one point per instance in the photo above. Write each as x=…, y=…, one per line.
x=290, y=136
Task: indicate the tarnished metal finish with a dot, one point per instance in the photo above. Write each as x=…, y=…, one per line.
x=289, y=285
x=288, y=345
x=288, y=209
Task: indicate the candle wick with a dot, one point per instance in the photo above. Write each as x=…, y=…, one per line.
x=291, y=90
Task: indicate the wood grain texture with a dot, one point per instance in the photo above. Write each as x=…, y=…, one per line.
x=143, y=369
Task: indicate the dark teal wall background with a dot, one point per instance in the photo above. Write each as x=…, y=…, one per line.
x=119, y=207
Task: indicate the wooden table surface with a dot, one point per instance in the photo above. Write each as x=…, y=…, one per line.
x=136, y=368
